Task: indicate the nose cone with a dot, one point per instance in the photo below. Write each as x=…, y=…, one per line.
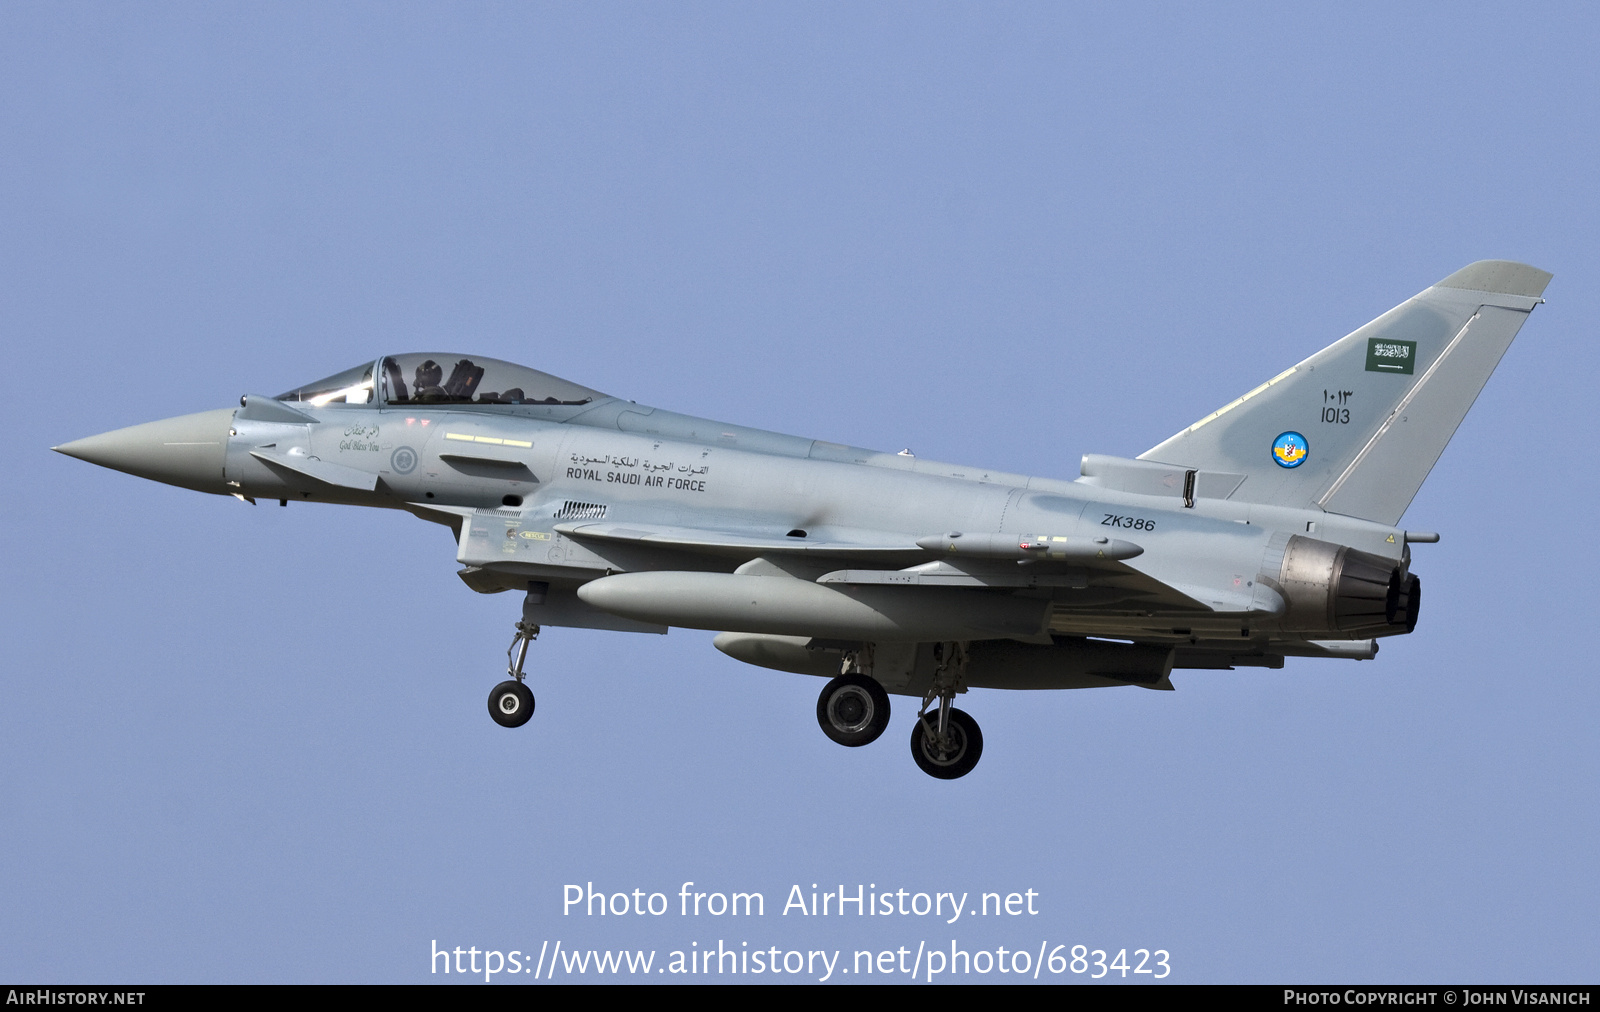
x=188, y=451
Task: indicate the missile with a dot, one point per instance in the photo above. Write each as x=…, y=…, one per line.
x=1029, y=546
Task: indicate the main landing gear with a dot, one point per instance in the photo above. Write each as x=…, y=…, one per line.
x=511, y=702
x=946, y=743
x=853, y=708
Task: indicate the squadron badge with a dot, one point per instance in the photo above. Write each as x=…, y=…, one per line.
x=1290, y=449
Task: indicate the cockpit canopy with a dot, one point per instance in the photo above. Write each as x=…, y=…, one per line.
x=435, y=378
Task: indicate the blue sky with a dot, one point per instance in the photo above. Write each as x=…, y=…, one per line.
x=250, y=744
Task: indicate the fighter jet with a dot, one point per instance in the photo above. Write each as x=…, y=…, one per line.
x=1265, y=530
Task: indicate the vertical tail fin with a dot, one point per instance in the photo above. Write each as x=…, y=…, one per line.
x=1355, y=428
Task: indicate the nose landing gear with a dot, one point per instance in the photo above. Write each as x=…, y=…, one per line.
x=511, y=702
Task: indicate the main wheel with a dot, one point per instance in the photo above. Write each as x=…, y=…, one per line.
x=853, y=710
x=961, y=751
x=511, y=704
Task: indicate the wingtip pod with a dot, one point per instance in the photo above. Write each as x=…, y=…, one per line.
x=1503, y=277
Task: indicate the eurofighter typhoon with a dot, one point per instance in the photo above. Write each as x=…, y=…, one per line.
x=1265, y=530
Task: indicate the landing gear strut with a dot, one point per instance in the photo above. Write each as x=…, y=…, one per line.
x=946, y=743
x=511, y=702
x=853, y=709
x=949, y=753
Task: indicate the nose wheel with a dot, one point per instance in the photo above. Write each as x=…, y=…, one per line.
x=511, y=702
